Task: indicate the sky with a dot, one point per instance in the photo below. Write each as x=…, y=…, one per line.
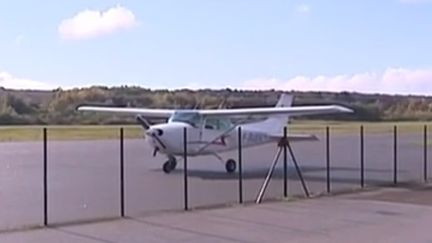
x=364, y=46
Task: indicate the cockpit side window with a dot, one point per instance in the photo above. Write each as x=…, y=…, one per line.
x=211, y=124
x=217, y=123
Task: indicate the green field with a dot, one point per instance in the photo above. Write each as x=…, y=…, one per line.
x=32, y=133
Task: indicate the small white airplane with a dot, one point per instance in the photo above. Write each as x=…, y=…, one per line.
x=210, y=132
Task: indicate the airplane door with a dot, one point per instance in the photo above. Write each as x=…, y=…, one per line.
x=194, y=134
x=211, y=132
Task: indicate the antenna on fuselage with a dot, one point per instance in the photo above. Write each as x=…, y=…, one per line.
x=224, y=104
x=199, y=103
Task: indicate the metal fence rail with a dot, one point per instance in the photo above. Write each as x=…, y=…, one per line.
x=252, y=176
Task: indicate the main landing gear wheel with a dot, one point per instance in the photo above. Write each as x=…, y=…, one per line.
x=230, y=166
x=169, y=166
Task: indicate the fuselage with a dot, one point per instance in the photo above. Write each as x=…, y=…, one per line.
x=168, y=138
x=211, y=131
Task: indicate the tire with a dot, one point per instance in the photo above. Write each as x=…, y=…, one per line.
x=230, y=166
x=167, y=167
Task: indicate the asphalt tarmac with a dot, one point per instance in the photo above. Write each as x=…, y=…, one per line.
x=400, y=214
x=84, y=176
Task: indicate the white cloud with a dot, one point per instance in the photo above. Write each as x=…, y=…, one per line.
x=93, y=23
x=303, y=9
x=391, y=81
x=415, y=1
x=10, y=82
x=19, y=39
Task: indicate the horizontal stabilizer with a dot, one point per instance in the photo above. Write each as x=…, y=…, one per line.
x=300, y=137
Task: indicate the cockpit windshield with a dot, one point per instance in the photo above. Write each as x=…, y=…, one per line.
x=217, y=123
x=190, y=117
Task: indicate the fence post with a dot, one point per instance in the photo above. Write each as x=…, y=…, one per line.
x=185, y=170
x=425, y=155
x=395, y=155
x=45, y=176
x=240, y=169
x=122, y=197
x=328, y=157
x=285, y=161
x=361, y=156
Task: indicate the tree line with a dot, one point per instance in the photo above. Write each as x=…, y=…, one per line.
x=27, y=107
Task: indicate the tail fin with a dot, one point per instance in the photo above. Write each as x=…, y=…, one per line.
x=277, y=123
x=274, y=125
x=285, y=100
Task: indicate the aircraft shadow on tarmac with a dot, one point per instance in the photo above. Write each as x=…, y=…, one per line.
x=348, y=175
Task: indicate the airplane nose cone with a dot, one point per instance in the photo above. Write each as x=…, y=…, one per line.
x=154, y=136
x=155, y=132
x=159, y=132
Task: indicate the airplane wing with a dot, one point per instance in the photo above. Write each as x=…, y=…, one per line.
x=269, y=111
x=246, y=112
x=145, y=112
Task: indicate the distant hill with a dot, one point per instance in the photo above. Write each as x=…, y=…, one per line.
x=58, y=106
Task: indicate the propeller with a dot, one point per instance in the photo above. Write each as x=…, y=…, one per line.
x=155, y=134
x=155, y=151
x=143, y=122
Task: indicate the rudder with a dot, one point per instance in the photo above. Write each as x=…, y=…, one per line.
x=274, y=125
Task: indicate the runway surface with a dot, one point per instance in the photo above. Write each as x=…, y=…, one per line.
x=83, y=176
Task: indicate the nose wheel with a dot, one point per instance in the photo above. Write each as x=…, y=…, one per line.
x=169, y=166
x=230, y=166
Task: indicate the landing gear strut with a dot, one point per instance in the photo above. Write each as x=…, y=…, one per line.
x=170, y=165
x=230, y=166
